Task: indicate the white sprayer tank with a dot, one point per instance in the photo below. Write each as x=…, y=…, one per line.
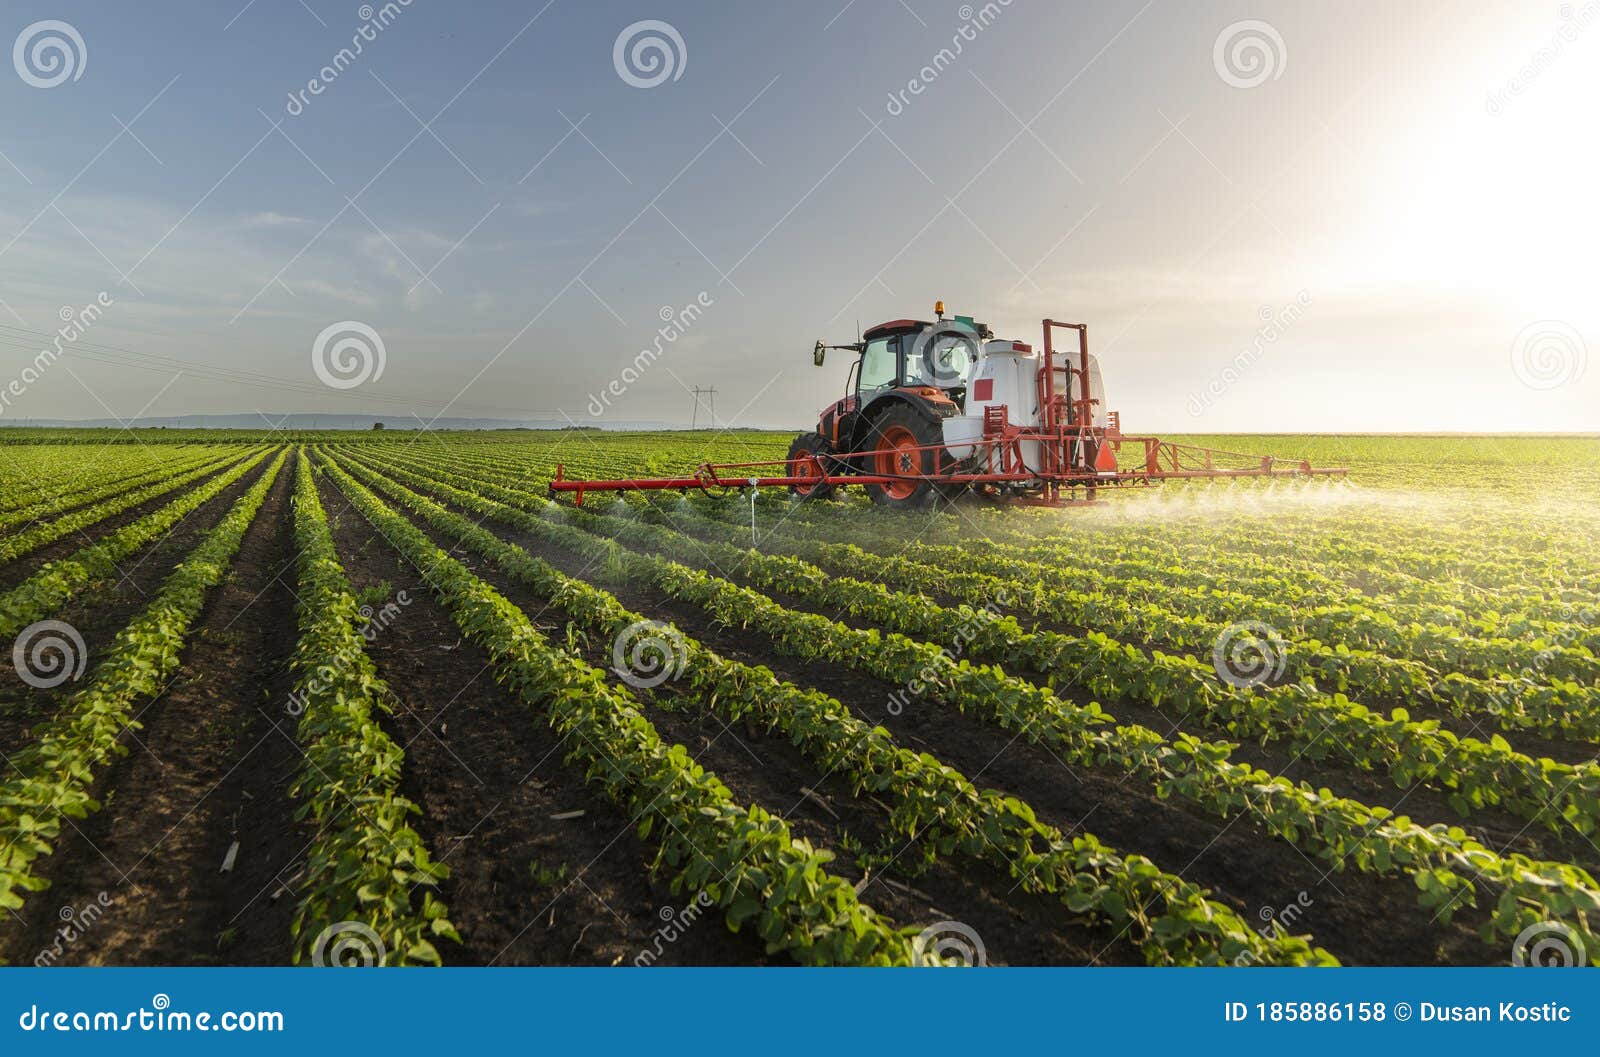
x=1008, y=375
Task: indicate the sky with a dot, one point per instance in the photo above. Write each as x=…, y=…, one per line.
x=1272, y=216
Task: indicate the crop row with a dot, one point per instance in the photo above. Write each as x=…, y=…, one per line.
x=1483, y=644
x=932, y=804
x=590, y=456
x=1550, y=706
x=1456, y=600
x=1472, y=773
x=1381, y=544
x=745, y=861
x=1558, y=641
x=83, y=493
x=41, y=476
x=58, y=581
x=42, y=533
x=365, y=862
x=52, y=777
x=1445, y=864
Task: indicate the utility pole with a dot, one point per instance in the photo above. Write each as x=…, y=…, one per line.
x=694, y=421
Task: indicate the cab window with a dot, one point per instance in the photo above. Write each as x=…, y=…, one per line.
x=879, y=369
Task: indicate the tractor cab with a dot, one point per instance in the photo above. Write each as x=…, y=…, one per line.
x=933, y=359
x=921, y=364
x=910, y=376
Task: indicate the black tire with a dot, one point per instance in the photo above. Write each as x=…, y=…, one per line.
x=813, y=444
x=897, y=426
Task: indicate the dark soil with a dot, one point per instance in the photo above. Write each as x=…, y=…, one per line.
x=490, y=777
x=103, y=608
x=543, y=869
x=762, y=767
x=209, y=767
x=15, y=572
x=1493, y=827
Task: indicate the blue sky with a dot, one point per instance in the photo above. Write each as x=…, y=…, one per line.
x=1363, y=240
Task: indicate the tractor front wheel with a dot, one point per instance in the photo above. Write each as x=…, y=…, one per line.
x=895, y=439
x=799, y=466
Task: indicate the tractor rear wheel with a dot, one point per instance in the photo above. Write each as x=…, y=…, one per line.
x=895, y=437
x=809, y=444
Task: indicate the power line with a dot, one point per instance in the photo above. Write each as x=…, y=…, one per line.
x=694, y=420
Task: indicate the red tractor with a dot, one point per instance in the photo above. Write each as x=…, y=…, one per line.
x=934, y=410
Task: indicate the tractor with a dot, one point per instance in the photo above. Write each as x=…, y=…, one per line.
x=936, y=410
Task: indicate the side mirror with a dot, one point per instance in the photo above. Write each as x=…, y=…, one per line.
x=819, y=353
